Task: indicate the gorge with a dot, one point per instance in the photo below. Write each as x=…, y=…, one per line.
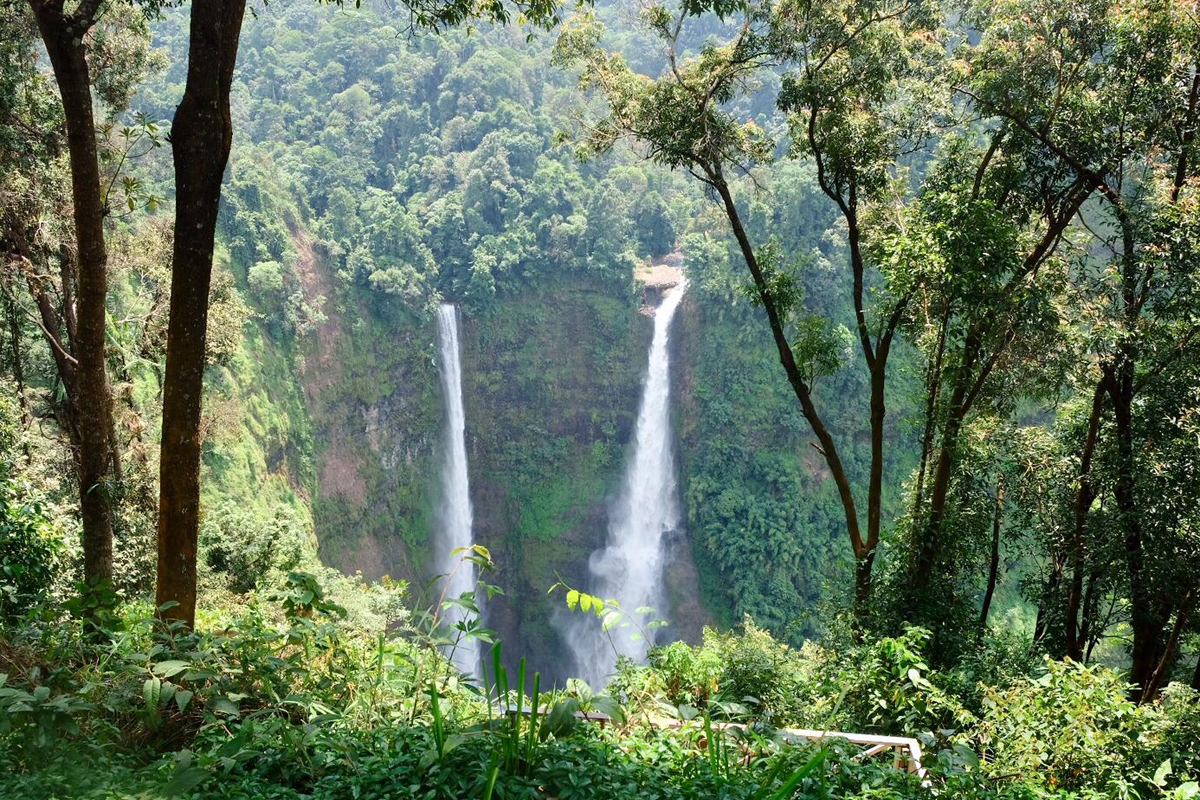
x=427, y=473
x=447, y=186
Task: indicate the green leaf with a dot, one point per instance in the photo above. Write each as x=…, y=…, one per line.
x=184, y=779
x=799, y=775
x=609, y=706
x=223, y=705
x=169, y=669
x=561, y=719
x=1160, y=775
x=453, y=741
x=572, y=599
x=151, y=691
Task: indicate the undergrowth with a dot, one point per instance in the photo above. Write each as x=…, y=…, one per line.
x=284, y=693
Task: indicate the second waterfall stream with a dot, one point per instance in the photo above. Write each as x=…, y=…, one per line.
x=629, y=568
x=454, y=516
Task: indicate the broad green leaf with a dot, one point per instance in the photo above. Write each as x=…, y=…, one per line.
x=169, y=669
x=223, y=705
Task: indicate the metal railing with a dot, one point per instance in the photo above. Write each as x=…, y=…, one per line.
x=906, y=750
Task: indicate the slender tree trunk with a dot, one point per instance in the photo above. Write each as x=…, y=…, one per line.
x=1149, y=609
x=1042, y=625
x=1083, y=503
x=863, y=556
x=927, y=547
x=1094, y=637
x=1196, y=675
x=875, y=485
x=1150, y=606
x=933, y=382
x=971, y=374
x=201, y=135
x=875, y=352
x=64, y=40
x=1086, y=634
x=994, y=561
x=862, y=586
x=14, y=335
x=1168, y=653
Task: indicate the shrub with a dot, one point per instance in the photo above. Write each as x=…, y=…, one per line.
x=244, y=547
x=1172, y=733
x=687, y=675
x=29, y=552
x=1072, y=728
x=755, y=665
x=885, y=686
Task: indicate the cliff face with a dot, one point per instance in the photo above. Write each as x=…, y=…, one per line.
x=551, y=385
x=552, y=379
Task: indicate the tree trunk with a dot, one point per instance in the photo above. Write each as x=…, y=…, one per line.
x=875, y=486
x=863, y=556
x=994, y=561
x=862, y=586
x=875, y=352
x=927, y=547
x=933, y=382
x=14, y=334
x=64, y=40
x=201, y=135
x=1083, y=503
x=1042, y=625
x=1149, y=610
x=1168, y=652
x=1087, y=634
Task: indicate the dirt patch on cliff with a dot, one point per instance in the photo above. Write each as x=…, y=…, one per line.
x=815, y=464
x=339, y=473
x=322, y=365
x=338, y=465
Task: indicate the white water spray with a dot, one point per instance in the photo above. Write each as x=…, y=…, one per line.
x=630, y=567
x=454, y=516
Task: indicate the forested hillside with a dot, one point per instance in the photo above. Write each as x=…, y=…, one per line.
x=372, y=376
x=407, y=169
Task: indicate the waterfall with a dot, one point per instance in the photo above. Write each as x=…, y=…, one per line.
x=630, y=567
x=454, y=513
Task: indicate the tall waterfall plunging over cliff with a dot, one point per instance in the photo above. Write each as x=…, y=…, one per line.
x=630, y=567
x=454, y=516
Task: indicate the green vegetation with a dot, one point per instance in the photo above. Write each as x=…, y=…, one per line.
x=296, y=692
x=935, y=381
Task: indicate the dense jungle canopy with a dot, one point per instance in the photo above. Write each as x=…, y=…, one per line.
x=373, y=374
